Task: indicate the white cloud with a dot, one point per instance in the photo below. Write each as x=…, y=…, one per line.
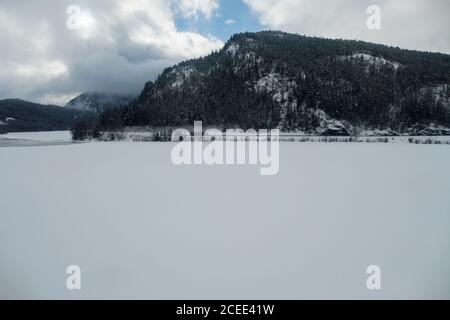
x=121, y=45
x=154, y=27
x=44, y=70
x=230, y=22
x=412, y=24
x=194, y=8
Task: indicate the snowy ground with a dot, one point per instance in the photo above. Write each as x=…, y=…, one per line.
x=139, y=227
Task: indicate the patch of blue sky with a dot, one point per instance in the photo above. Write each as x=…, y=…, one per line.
x=233, y=16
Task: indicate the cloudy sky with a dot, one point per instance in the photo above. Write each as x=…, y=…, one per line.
x=52, y=50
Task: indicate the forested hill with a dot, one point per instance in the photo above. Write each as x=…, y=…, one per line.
x=320, y=86
x=22, y=116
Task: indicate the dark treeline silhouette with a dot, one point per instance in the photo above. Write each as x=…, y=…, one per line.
x=22, y=116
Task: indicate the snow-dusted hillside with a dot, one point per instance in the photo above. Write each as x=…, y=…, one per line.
x=297, y=83
x=370, y=60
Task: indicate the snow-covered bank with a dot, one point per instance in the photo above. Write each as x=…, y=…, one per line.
x=139, y=227
x=35, y=139
x=165, y=134
x=46, y=136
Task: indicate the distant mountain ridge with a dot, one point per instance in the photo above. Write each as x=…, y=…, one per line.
x=97, y=102
x=296, y=83
x=23, y=116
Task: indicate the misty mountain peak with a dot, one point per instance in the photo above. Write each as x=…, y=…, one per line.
x=97, y=102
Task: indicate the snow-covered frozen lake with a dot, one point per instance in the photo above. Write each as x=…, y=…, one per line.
x=30, y=139
x=140, y=227
x=47, y=136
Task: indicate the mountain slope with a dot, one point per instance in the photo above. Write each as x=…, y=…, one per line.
x=97, y=102
x=22, y=116
x=319, y=86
